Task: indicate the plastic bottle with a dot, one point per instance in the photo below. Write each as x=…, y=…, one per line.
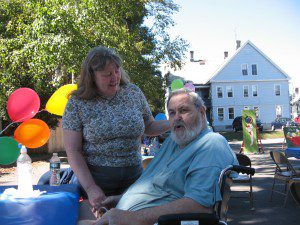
x=55, y=170
x=24, y=169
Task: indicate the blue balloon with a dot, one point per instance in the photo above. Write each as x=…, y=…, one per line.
x=160, y=116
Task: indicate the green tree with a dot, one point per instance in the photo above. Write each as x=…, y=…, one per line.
x=43, y=42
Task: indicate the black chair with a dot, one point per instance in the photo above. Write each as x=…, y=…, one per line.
x=295, y=189
x=244, y=179
x=284, y=172
x=220, y=209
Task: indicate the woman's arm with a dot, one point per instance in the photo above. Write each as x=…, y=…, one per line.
x=156, y=127
x=73, y=146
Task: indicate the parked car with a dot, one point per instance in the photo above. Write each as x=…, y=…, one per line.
x=281, y=122
x=237, y=124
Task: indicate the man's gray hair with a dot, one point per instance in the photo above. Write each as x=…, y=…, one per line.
x=194, y=97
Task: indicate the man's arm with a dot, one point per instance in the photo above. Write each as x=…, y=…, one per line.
x=149, y=216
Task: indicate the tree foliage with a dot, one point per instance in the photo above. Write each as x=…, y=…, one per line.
x=43, y=43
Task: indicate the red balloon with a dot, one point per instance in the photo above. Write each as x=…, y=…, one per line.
x=23, y=104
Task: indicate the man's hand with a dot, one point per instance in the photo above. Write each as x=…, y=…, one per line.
x=111, y=201
x=119, y=217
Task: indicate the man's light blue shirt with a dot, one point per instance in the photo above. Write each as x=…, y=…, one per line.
x=174, y=173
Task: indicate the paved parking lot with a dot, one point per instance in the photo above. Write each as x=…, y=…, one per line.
x=266, y=212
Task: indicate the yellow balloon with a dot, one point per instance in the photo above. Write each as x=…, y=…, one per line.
x=58, y=101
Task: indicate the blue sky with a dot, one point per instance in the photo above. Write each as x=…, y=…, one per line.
x=212, y=26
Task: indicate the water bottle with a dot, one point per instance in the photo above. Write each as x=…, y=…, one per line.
x=55, y=170
x=24, y=169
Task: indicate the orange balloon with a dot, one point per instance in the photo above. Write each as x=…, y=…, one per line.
x=32, y=133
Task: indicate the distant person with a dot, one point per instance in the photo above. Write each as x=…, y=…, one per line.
x=183, y=176
x=297, y=119
x=102, y=125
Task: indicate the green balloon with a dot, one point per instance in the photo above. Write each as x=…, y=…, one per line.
x=176, y=84
x=9, y=150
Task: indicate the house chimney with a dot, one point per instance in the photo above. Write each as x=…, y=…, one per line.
x=238, y=44
x=192, y=56
x=225, y=55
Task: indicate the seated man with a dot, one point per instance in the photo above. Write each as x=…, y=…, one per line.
x=183, y=176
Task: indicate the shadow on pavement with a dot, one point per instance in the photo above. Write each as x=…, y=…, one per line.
x=266, y=212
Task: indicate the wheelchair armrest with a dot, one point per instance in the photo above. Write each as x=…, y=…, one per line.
x=201, y=218
x=244, y=169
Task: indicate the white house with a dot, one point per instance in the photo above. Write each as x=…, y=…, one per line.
x=296, y=102
x=248, y=80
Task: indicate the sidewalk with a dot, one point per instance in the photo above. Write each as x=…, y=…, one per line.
x=266, y=212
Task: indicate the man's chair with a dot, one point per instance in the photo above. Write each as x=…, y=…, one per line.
x=295, y=189
x=220, y=209
x=244, y=178
x=284, y=172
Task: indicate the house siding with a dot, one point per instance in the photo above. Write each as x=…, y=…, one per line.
x=267, y=76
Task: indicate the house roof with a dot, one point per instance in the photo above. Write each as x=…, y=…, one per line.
x=237, y=52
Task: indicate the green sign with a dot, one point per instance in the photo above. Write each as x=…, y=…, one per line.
x=249, y=131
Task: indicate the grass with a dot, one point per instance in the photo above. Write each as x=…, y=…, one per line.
x=238, y=136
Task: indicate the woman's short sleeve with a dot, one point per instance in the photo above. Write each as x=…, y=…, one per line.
x=146, y=112
x=71, y=119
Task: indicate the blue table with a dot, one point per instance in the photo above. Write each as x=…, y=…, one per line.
x=293, y=152
x=59, y=206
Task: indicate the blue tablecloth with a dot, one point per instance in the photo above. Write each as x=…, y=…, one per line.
x=59, y=206
x=293, y=152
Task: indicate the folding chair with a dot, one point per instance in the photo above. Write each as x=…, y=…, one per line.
x=284, y=171
x=220, y=209
x=244, y=178
x=295, y=189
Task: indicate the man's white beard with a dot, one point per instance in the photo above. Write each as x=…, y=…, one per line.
x=188, y=134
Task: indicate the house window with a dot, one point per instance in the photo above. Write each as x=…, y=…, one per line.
x=246, y=91
x=219, y=92
x=229, y=91
x=256, y=109
x=278, y=111
x=220, y=113
x=245, y=69
x=254, y=90
x=277, y=89
x=254, y=69
x=231, y=113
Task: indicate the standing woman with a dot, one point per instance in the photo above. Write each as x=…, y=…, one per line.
x=103, y=123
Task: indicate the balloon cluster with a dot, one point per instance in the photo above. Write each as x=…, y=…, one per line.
x=22, y=105
x=177, y=84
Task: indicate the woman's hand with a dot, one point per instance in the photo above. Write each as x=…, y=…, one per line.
x=111, y=201
x=96, y=196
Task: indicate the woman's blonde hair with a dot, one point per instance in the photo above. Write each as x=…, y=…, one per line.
x=96, y=60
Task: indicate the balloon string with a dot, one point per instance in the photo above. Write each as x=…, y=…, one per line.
x=7, y=127
x=17, y=122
